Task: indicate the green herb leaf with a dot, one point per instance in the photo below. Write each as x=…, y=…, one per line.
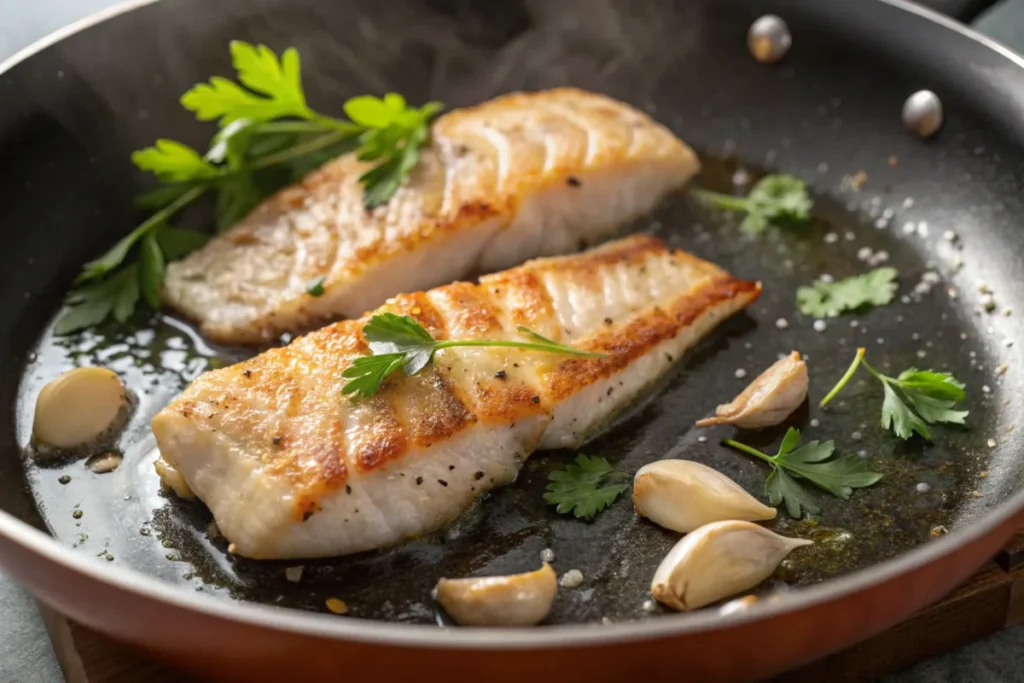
x=177, y=243
x=585, y=488
x=874, y=288
x=237, y=196
x=367, y=373
x=316, y=287
x=253, y=155
x=912, y=401
x=812, y=462
x=400, y=336
x=92, y=304
x=173, y=162
x=275, y=88
x=780, y=199
x=151, y=270
x=782, y=488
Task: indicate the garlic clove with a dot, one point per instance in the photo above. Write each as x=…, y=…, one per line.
x=514, y=600
x=80, y=407
x=683, y=495
x=769, y=399
x=719, y=560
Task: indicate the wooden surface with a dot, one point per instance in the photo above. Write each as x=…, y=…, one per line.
x=991, y=600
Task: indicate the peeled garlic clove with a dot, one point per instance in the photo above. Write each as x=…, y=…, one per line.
x=718, y=560
x=769, y=399
x=81, y=406
x=515, y=600
x=683, y=495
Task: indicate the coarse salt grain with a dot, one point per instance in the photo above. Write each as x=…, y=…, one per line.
x=991, y=443
x=831, y=238
x=908, y=228
x=850, y=236
x=782, y=323
x=649, y=606
x=856, y=436
x=702, y=439
x=547, y=555
x=864, y=253
x=923, y=487
x=740, y=373
x=819, y=325
x=922, y=229
x=815, y=422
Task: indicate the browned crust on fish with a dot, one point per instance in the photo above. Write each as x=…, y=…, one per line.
x=330, y=197
x=414, y=413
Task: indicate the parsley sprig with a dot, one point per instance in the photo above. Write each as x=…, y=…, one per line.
x=586, y=487
x=828, y=299
x=268, y=137
x=913, y=400
x=773, y=199
x=399, y=342
x=811, y=462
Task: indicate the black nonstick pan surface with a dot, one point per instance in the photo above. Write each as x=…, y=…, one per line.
x=946, y=211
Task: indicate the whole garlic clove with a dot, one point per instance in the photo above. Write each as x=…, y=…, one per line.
x=718, y=560
x=80, y=407
x=683, y=495
x=514, y=600
x=769, y=399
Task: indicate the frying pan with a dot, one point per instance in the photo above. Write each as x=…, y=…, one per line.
x=114, y=553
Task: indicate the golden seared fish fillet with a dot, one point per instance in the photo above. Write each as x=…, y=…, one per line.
x=518, y=177
x=293, y=468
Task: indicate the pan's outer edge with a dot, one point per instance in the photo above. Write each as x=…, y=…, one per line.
x=47, y=549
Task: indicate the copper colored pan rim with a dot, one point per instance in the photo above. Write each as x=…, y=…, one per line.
x=559, y=636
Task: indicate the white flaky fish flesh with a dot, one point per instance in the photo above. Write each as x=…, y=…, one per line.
x=293, y=468
x=522, y=176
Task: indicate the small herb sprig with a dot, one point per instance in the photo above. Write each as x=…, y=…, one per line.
x=913, y=400
x=812, y=462
x=586, y=487
x=773, y=199
x=828, y=299
x=268, y=137
x=399, y=342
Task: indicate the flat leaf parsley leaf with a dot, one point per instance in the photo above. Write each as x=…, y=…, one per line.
x=777, y=199
x=399, y=342
x=268, y=137
x=913, y=400
x=811, y=462
x=828, y=299
x=586, y=487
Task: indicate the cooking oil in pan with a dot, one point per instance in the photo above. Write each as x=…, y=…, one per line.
x=124, y=517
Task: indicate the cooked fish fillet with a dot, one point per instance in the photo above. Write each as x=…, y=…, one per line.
x=292, y=468
x=518, y=177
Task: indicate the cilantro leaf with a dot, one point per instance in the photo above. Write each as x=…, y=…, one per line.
x=367, y=373
x=177, y=243
x=254, y=154
x=782, y=488
x=90, y=305
x=151, y=270
x=779, y=198
x=173, y=162
x=828, y=299
x=392, y=336
x=275, y=88
x=913, y=400
x=812, y=462
x=237, y=196
x=584, y=488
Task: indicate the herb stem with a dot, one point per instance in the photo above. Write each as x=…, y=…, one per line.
x=88, y=274
x=532, y=346
x=290, y=127
x=299, y=150
x=844, y=380
x=749, y=450
x=722, y=201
